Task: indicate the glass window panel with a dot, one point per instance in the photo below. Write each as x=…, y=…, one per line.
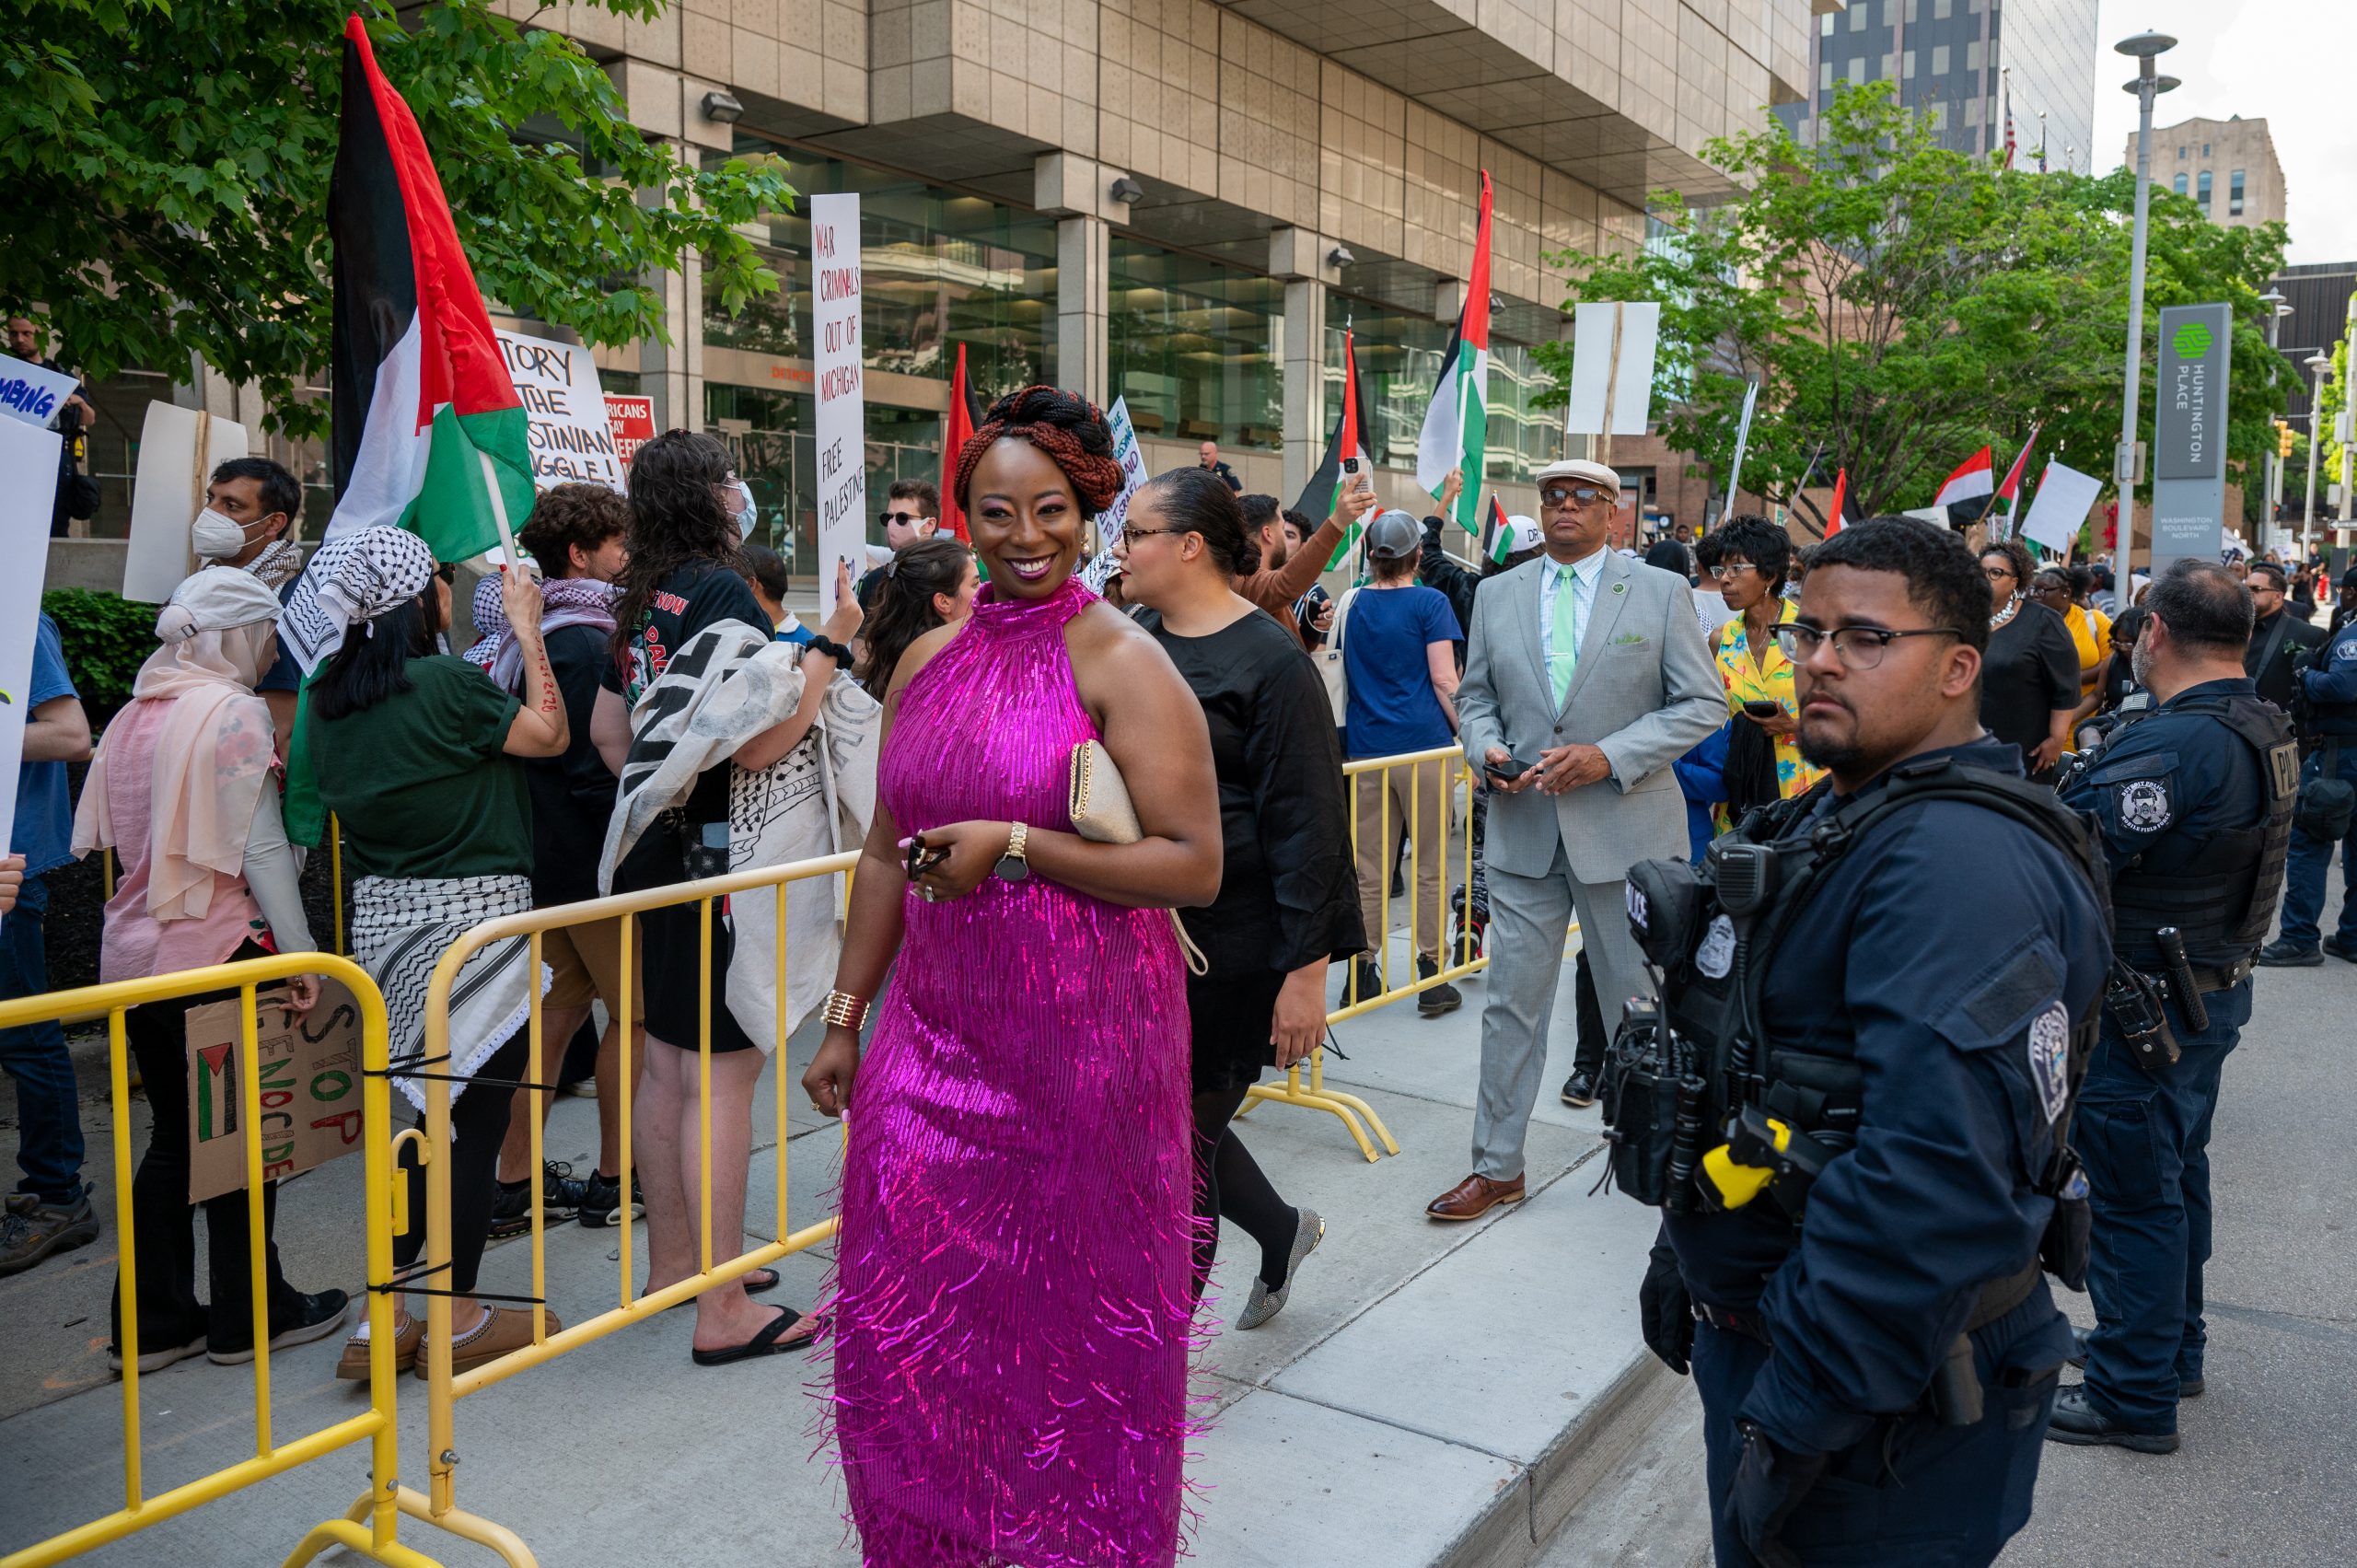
x=1196, y=348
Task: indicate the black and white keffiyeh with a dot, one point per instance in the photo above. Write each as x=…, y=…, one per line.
x=400, y=927
x=354, y=576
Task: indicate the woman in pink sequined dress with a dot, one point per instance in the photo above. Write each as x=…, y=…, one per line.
x=1011, y=1310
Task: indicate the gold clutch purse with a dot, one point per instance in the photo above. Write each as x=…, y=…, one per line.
x=1101, y=813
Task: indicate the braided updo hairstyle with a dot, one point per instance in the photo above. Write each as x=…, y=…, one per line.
x=1065, y=426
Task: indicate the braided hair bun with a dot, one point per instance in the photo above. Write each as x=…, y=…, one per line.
x=1065, y=426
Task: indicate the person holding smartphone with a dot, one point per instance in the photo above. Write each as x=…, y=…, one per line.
x=1763, y=760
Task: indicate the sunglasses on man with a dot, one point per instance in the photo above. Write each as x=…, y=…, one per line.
x=1556, y=495
x=911, y=518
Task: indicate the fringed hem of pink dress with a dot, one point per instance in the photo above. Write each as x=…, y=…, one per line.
x=1011, y=1310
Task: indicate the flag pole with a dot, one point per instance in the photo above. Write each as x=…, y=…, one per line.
x=499, y=509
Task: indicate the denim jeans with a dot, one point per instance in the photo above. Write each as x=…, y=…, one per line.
x=2303, y=871
x=2145, y=1140
x=48, y=1114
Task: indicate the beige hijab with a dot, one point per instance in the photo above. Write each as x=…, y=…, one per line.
x=214, y=754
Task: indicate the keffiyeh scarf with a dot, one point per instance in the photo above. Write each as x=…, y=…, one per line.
x=354, y=576
x=400, y=927
x=565, y=601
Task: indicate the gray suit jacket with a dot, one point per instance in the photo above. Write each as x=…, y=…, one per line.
x=1645, y=692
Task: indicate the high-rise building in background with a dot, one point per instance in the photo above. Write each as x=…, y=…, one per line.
x=2228, y=166
x=1964, y=63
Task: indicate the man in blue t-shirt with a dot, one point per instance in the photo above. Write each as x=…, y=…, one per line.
x=50, y=1210
x=1398, y=639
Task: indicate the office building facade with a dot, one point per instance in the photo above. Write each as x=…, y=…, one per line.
x=2226, y=166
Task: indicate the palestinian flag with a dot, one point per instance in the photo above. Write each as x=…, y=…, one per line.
x=428, y=433
x=1497, y=534
x=956, y=425
x=1975, y=476
x=1316, y=501
x=1456, y=422
x=1833, y=523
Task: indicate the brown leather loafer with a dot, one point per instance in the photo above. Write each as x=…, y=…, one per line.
x=1472, y=1198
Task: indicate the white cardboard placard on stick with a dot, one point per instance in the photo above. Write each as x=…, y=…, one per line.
x=840, y=428
x=1610, y=389
x=179, y=449
x=32, y=394
x=30, y=454
x=572, y=440
x=2064, y=496
x=1126, y=452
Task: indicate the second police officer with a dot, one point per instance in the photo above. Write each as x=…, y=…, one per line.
x=2194, y=802
x=1876, y=997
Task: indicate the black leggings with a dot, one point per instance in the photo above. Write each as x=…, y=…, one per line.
x=478, y=1123
x=1229, y=1184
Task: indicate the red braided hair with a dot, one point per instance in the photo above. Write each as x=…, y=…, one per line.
x=1065, y=426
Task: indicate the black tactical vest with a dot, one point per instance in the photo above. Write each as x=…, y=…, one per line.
x=2219, y=888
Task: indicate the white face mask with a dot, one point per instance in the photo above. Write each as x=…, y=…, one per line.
x=749, y=516
x=214, y=537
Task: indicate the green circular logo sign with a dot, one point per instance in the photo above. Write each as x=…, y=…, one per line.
x=2191, y=340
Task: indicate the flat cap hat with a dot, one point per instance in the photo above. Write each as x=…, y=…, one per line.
x=1579, y=468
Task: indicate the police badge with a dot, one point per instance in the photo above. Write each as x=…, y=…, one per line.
x=2145, y=806
x=2050, y=1058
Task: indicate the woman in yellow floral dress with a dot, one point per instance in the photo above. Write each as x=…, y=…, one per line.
x=1755, y=556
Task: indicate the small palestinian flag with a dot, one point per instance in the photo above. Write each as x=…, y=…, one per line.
x=956, y=426
x=1456, y=432
x=429, y=431
x=1833, y=522
x=1318, y=496
x=1497, y=534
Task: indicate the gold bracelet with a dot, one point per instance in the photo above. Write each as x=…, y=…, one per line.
x=844, y=1010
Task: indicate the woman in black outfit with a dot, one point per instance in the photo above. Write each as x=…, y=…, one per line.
x=1288, y=896
x=2030, y=677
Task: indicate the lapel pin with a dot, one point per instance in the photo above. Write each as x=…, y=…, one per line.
x=1618, y=587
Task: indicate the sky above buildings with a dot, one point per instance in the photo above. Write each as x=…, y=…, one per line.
x=2290, y=62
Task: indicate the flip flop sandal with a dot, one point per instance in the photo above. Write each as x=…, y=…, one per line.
x=765, y=1343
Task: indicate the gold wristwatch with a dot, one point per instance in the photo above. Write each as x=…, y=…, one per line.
x=1012, y=866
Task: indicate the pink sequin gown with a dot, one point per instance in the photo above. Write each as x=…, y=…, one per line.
x=1011, y=1305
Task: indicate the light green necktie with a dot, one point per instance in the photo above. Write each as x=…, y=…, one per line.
x=1563, y=645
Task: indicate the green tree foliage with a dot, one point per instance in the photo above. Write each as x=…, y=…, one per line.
x=105, y=638
x=167, y=164
x=1901, y=304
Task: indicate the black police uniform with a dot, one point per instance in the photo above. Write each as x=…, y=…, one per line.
x=1942, y=965
x=2329, y=684
x=2195, y=804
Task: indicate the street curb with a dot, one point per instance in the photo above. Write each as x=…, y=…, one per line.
x=1523, y=1518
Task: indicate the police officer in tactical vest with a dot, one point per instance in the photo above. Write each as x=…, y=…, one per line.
x=2195, y=804
x=1854, y=1101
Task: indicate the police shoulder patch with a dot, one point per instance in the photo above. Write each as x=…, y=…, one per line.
x=2050, y=1058
x=2144, y=805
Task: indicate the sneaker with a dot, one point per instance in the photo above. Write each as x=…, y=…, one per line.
x=2283, y=954
x=2339, y=947
x=353, y=1365
x=158, y=1359
x=503, y=1329
x=561, y=1191
x=313, y=1318
x=601, y=1201
x=1470, y=928
x=30, y=1230
x=1434, y=1001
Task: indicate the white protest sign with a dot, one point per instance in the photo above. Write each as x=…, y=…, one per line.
x=572, y=439
x=32, y=394
x=179, y=449
x=1612, y=368
x=2064, y=496
x=1127, y=452
x=30, y=454
x=842, y=424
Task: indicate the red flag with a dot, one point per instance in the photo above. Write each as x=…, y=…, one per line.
x=1841, y=491
x=2013, y=485
x=1971, y=478
x=956, y=426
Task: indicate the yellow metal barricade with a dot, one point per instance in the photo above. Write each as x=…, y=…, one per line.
x=369, y=1530
x=1371, y=782
x=438, y=1504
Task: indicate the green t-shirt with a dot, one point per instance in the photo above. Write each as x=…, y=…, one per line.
x=421, y=782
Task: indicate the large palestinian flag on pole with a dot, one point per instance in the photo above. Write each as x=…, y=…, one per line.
x=428, y=433
x=1456, y=422
x=1317, y=502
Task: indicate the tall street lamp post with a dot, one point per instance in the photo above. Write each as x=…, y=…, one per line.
x=2319, y=366
x=2277, y=309
x=2149, y=84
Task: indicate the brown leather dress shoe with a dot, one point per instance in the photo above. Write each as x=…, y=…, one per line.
x=1472, y=1198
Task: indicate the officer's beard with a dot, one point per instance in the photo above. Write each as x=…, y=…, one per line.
x=2140, y=663
x=1841, y=757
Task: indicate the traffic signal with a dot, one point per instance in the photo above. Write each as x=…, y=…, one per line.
x=2282, y=438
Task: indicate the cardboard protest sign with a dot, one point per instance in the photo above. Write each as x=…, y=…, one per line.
x=179, y=449
x=631, y=421
x=32, y=394
x=29, y=454
x=1131, y=458
x=1612, y=368
x=841, y=388
x=571, y=436
x=310, y=1090
x=2064, y=497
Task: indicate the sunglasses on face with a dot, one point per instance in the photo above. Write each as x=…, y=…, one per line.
x=888, y=519
x=1556, y=495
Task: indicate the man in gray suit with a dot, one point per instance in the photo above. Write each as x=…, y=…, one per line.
x=1585, y=678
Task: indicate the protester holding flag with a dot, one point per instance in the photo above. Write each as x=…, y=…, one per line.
x=1278, y=584
x=1287, y=906
x=932, y=583
x=2029, y=675
x=184, y=791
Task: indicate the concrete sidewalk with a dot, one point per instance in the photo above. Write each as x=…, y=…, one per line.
x=1432, y=1395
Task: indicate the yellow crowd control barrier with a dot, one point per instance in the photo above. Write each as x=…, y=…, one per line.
x=369, y=1530
x=438, y=1504
x=1426, y=785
